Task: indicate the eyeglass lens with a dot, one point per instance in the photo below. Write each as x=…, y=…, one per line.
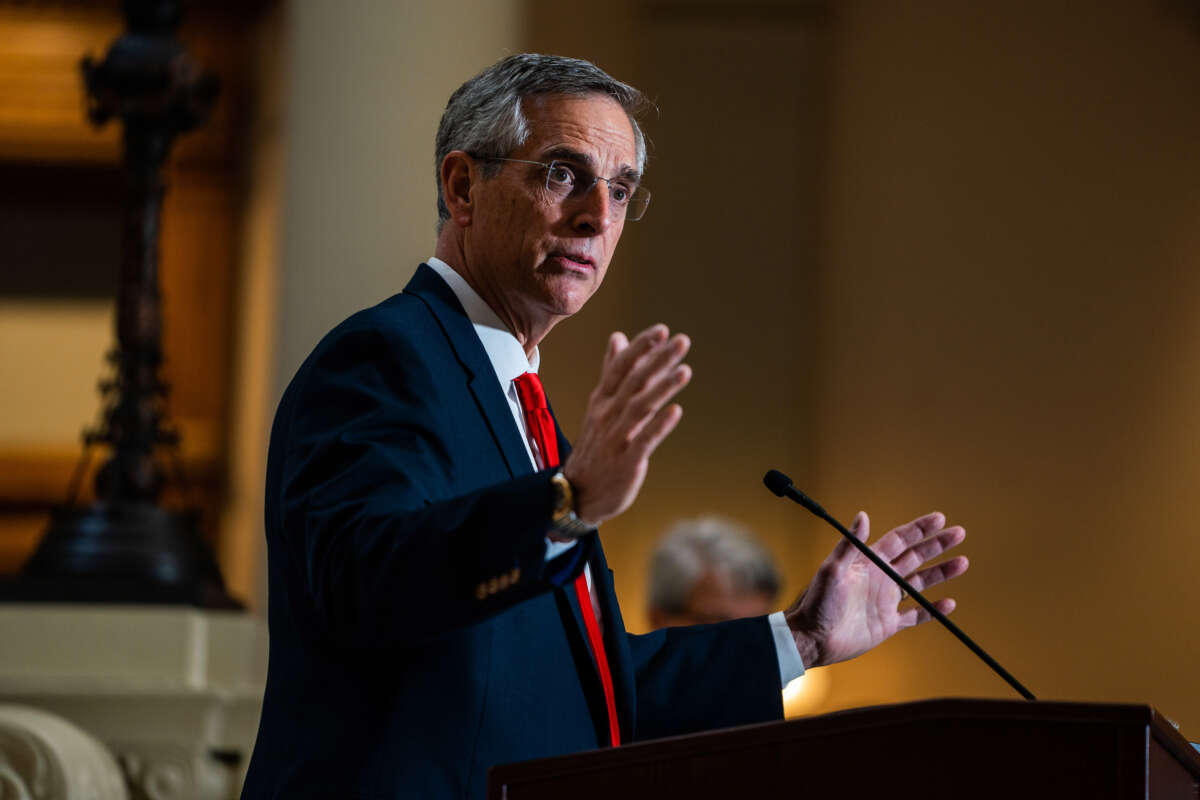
x=565, y=180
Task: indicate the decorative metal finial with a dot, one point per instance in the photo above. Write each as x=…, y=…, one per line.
x=127, y=548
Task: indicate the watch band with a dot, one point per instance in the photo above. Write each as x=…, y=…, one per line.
x=563, y=519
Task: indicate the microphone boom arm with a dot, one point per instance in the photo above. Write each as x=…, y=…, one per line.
x=782, y=485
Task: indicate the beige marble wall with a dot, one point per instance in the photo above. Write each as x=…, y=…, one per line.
x=1013, y=242
x=367, y=86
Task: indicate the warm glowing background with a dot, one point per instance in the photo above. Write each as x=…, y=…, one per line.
x=933, y=254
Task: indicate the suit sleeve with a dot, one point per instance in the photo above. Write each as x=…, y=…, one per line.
x=379, y=536
x=700, y=677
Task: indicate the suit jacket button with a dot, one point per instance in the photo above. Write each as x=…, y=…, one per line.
x=515, y=575
x=492, y=586
x=480, y=591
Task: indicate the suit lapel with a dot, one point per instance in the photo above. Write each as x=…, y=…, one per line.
x=485, y=388
x=482, y=381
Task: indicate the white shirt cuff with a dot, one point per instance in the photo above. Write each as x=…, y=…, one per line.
x=791, y=666
x=555, y=549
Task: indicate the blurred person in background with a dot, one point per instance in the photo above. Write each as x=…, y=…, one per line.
x=710, y=569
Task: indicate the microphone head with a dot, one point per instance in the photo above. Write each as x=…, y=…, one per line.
x=777, y=482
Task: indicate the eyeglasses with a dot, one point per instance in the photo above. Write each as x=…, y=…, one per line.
x=564, y=180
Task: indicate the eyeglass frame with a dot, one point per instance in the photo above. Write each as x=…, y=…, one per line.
x=576, y=191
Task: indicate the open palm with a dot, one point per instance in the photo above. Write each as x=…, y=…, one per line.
x=851, y=605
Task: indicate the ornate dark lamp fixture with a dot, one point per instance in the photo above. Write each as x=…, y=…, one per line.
x=126, y=547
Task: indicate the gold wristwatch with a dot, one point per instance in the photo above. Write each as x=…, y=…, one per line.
x=564, y=522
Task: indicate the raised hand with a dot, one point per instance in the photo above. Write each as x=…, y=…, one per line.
x=627, y=417
x=851, y=605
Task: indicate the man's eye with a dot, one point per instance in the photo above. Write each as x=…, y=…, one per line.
x=620, y=194
x=560, y=173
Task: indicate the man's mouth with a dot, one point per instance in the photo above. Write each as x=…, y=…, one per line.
x=574, y=260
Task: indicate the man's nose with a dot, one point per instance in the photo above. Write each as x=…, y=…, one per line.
x=594, y=214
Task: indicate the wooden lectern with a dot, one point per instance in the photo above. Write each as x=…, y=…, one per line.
x=932, y=749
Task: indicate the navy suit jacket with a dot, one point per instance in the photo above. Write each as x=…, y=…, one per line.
x=418, y=636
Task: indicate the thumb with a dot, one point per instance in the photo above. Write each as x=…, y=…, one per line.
x=616, y=343
x=861, y=527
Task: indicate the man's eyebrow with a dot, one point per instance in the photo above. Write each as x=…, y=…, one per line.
x=629, y=174
x=567, y=154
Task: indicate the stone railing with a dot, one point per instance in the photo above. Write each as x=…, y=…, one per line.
x=45, y=757
x=170, y=694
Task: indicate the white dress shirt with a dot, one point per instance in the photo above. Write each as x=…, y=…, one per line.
x=509, y=360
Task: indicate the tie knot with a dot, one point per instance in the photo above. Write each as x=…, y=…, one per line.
x=529, y=390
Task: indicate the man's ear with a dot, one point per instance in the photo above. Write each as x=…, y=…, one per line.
x=458, y=175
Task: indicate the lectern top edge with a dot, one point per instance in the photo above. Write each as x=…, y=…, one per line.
x=951, y=711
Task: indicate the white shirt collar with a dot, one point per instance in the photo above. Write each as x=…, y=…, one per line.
x=503, y=350
x=508, y=360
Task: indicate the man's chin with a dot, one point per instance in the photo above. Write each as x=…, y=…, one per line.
x=569, y=297
x=563, y=309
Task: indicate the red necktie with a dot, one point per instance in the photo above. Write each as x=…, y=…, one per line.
x=541, y=430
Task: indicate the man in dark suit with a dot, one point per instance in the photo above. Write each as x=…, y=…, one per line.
x=439, y=599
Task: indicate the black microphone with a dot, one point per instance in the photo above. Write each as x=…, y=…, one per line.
x=781, y=485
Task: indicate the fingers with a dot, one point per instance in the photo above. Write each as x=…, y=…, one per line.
x=911, y=559
x=657, y=429
x=668, y=380
x=623, y=358
x=653, y=367
x=938, y=573
x=931, y=577
x=641, y=377
x=915, y=616
x=896, y=541
x=627, y=417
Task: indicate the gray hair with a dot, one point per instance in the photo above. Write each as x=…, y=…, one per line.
x=484, y=116
x=692, y=547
